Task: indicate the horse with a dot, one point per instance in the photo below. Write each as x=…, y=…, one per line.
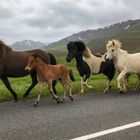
x=87, y=63
x=125, y=63
x=47, y=73
x=12, y=64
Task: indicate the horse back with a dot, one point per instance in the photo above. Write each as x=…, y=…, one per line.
x=15, y=62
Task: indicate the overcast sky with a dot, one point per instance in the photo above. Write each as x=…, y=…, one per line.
x=51, y=20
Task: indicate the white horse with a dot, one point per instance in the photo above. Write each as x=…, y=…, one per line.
x=125, y=63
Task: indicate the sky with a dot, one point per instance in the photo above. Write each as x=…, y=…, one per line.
x=51, y=20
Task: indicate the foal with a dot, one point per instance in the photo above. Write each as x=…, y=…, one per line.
x=47, y=73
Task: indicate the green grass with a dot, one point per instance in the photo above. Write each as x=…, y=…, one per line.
x=20, y=85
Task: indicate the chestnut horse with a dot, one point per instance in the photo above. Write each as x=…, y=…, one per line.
x=46, y=73
x=12, y=64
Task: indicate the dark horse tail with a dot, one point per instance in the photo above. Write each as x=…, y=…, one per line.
x=71, y=75
x=52, y=58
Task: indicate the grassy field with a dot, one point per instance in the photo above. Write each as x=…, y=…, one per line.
x=20, y=85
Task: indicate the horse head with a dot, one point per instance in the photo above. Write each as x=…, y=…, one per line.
x=72, y=51
x=112, y=48
x=31, y=63
x=74, y=48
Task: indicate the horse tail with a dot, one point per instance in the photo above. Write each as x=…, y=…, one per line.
x=52, y=58
x=71, y=75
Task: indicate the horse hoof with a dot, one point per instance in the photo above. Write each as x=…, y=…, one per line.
x=25, y=96
x=58, y=101
x=81, y=93
x=125, y=90
x=35, y=104
x=105, y=92
x=61, y=101
x=121, y=91
x=15, y=100
x=71, y=98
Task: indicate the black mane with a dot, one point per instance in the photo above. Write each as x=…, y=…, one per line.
x=81, y=45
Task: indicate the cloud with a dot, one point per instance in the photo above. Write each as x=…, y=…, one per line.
x=49, y=21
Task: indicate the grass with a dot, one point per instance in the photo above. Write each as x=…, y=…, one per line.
x=20, y=85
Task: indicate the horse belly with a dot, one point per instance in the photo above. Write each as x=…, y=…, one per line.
x=15, y=73
x=95, y=68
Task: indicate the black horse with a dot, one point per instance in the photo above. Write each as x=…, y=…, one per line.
x=75, y=50
x=82, y=67
x=12, y=64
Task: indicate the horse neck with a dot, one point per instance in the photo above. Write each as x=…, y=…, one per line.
x=87, y=53
x=79, y=58
x=120, y=53
x=40, y=66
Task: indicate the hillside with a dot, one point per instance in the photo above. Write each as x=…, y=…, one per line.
x=127, y=32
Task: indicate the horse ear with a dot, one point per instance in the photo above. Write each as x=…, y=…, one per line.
x=113, y=43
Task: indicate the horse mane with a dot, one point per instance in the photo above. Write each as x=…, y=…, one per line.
x=86, y=52
x=114, y=42
x=43, y=55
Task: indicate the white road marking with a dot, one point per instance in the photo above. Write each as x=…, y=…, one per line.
x=108, y=131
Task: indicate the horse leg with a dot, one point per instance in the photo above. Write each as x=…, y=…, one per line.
x=119, y=80
x=64, y=96
x=7, y=84
x=126, y=81
x=124, y=84
x=34, y=82
x=87, y=85
x=53, y=86
x=70, y=93
x=52, y=92
x=39, y=95
x=138, y=83
x=108, y=86
x=82, y=86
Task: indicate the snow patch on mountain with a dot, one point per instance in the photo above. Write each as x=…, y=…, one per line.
x=27, y=45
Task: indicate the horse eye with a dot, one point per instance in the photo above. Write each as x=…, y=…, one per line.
x=113, y=50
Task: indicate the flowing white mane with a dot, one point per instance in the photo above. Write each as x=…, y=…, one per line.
x=113, y=43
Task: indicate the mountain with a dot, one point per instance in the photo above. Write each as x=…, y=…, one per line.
x=128, y=32
x=27, y=45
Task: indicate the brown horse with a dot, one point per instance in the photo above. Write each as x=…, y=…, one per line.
x=12, y=64
x=46, y=73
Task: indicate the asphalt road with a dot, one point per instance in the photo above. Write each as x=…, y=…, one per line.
x=87, y=114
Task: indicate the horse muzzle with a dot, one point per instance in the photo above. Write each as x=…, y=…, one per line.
x=28, y=68
x=68, y=60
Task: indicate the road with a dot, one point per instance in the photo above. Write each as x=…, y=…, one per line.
x=87, y=114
